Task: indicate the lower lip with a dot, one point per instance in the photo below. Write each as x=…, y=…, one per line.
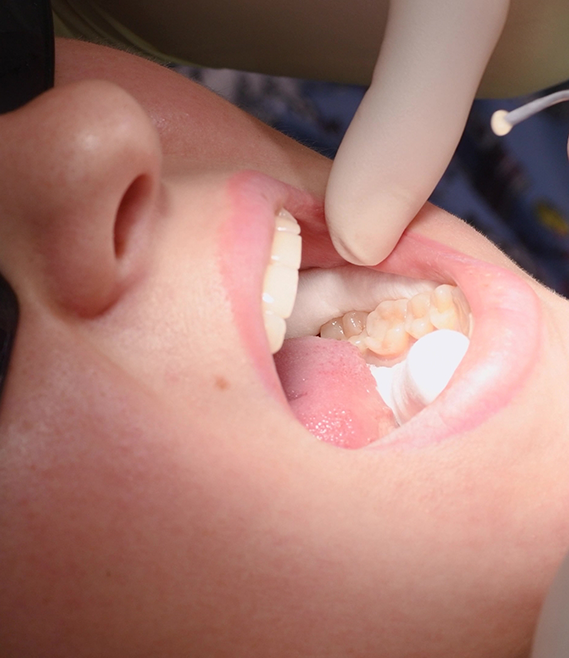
x=504, y=345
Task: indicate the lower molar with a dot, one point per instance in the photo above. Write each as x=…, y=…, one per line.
x=420, y=341
x=389, y=330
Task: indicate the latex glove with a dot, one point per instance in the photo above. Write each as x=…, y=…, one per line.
x=410, y=121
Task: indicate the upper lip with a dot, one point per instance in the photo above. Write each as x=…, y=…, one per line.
x=245, y=247
x=506, y=312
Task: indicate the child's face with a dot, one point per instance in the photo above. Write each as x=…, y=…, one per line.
x=157, y=496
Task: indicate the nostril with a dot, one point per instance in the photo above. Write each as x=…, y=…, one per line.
x=132, y=208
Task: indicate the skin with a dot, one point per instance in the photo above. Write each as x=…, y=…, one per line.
x=156, y=497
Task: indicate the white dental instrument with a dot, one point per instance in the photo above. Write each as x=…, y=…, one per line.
x=408, y=387
x=503, y=121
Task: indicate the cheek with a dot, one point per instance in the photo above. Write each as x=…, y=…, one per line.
x=106, y=527
x=152, y=538
x=129, y=534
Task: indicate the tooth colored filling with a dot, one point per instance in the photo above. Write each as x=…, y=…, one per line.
x=391, y=328
x=423, y=339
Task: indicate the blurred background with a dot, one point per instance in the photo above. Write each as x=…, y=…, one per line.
x=514, y=189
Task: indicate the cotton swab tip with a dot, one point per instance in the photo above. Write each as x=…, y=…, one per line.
x=500, y=124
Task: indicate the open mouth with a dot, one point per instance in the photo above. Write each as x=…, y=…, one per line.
x=429, y=344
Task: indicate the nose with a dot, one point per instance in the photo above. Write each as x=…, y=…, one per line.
x=80, y=171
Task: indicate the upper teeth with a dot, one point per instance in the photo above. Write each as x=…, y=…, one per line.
x=411, y=310
x=342, y=302
x=281, y=278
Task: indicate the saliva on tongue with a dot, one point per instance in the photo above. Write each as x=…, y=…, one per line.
x=332, y=392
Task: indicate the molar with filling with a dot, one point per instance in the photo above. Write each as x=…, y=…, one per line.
x=390, y=329
x=388, y=317
x=420, y=340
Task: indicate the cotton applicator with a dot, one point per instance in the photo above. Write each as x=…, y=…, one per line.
x=503, y=121
x=408, y=387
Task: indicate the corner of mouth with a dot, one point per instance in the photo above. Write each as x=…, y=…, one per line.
x=504, y=348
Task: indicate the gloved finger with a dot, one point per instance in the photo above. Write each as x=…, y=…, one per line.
x=408, y=125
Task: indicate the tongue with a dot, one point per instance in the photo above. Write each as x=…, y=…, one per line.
x=332, y=392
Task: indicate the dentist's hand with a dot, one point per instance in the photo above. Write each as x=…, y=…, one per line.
x=434, y=54
x=410, y=121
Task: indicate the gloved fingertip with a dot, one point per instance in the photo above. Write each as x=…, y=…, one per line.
x=366, y=233
x=366, y=252
x=359, y=254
